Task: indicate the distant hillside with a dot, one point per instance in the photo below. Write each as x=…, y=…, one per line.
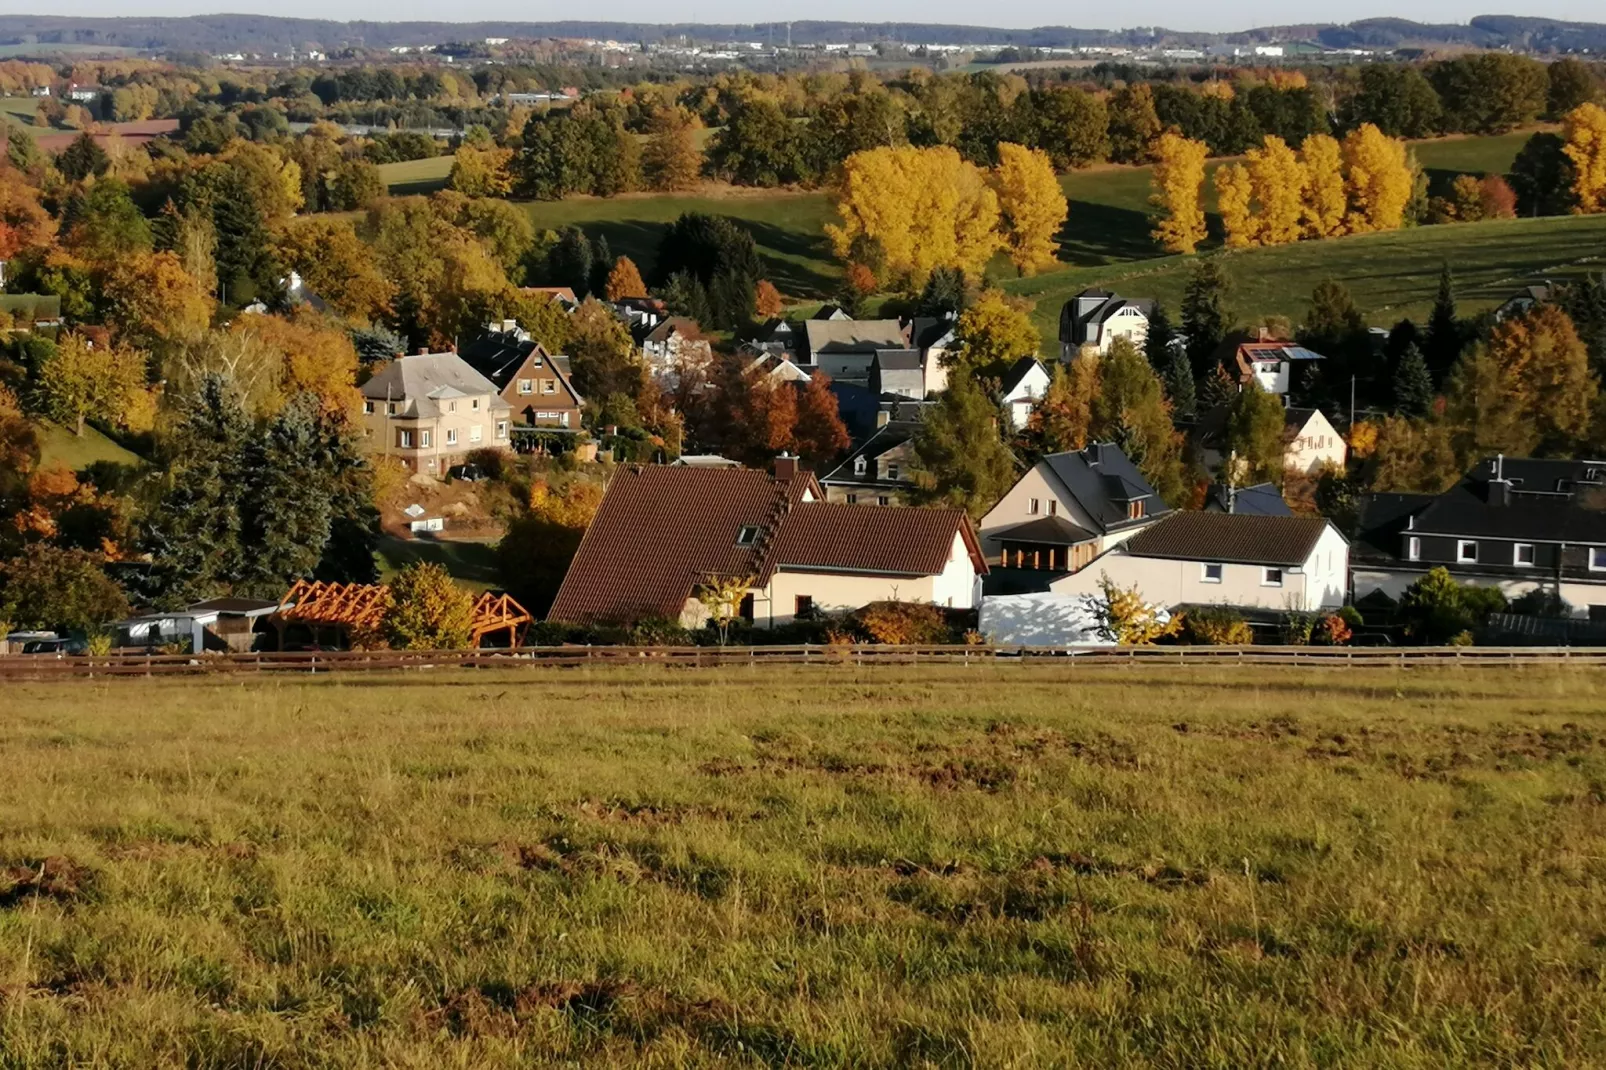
x=267, y=33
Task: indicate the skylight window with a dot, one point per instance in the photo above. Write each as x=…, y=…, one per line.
x=746, y=536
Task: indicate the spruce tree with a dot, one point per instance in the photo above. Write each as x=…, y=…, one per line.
x=944, y=293
x=1214, y=389
x=193, y=535
x=1585, y=302
x=1161, y=334
x=1178, y=380
x=569, y=262
x=286, y=512
x=1413, y=383
x=1206, y=319
x=1445, y=339
x=601, y=264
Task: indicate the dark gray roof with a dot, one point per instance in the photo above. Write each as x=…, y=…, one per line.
x=896, y=360
x=889, y=437
x=1095, y=306
x=1284, y=541
x=1049, y=530
x=1262, y=499
x=234, y=607
x=927, y=331
x=1018, y=371
x=1103, y=480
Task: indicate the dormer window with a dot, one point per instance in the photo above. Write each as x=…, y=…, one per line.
x=892, y=471
x=746, y=535
x=1134, y=510
x=859, y=466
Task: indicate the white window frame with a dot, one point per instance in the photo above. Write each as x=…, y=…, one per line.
x=860, y=466
x=404, y=440
x=1594, y=564
x=1204, y=572
x=1034, y=507
x=1266, y=574
x=368, y=408
x=1053, y=507
x=1516, y=555
x=423, y=440
x=549, y=386
x=451, y=436
x=1461, y=548
x=1413, y=548
x=892, y=471
x=526, y=387
x=501, y=429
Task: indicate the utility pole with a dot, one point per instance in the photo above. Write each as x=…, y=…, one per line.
x=1352, y=401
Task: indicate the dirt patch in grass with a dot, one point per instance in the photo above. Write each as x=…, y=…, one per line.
x=57, y=877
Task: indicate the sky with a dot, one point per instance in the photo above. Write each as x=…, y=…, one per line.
x=1174, y=14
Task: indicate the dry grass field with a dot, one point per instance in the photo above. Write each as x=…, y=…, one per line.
x=1002, y=865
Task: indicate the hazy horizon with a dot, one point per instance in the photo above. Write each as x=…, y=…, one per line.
x=1171, y=14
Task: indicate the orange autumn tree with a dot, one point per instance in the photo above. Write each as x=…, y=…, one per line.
x=767, y=300
x=624, y=280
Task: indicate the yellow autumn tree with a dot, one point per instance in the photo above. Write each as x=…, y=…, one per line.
x=1233, y=195
x=1325, y=196
x=624, y=280
x=1379, y=180
x=1178, y=177
x=1033, y=206
x=1585, y=135
x=1278, y=180
x=918, y=209
x=996, y=330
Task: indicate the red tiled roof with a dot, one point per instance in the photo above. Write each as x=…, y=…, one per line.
x=871, y=538
x=662, y=531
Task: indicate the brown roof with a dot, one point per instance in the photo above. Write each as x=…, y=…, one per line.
x=664, y=530
x=867, y=538
x=1239, y=538
x=661, y=531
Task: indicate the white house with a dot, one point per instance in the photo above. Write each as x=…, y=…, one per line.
x=1231, y=559
x=1094, y=319
x=1026, y=382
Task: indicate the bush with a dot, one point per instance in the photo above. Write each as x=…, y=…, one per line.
x=1437, y=609
x=1297, y=628
x=1215, y=626
x=1542, y=602
x=490, y=460
x=1352, y=616
x=1332, y=630
x=901, y=623
x=428, y=611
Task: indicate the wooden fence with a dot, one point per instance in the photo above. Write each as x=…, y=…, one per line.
x=50, y=667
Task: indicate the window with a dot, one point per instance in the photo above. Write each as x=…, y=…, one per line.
x=526, y=386
x=1134, y=510
x=1053, y=507
x=451, y=436
x=1271, y=577
x=1210, y=573
x=892, y=471
x=390, y=408
x=474, y=433
x=549, y=386
x=1597, y=559
x=804, y=609
x=1413, y=549
x=451, y=406
x=853, y=499
x=746, y=535
x=368, y=407
x=423, y=439
x=475, y=404
x=1523, y=554
x=745, y=610
x=1034, y=508
x=1466, y=551
x=859, y=465
x=883, y=500
x=404, y=439
x=501, y=429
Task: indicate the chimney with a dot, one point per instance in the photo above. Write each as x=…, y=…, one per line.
x=786, y=467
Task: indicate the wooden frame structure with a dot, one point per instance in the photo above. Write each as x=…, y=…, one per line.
x=348, y=607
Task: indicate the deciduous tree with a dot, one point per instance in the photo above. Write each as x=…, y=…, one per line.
x=1032, y=204
x=1380, y=180
x=995, y=331
x=624, y=280
x=1326, y=199
x=1234, y=193
x=1278, y=179
x=1254, y=438
x=1178, y=178
x=336, y=266
x=672, y=159
x=1585, y=134
x=80, y=379
x=481, y=172
x=963, y=459
x=1061, y=418
x=428, y=610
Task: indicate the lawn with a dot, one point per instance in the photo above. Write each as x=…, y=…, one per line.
x=472, y=563
x=1390, y=275
x=416, y=176
x=1026, y=865
x=21, y=109
x=59, y=446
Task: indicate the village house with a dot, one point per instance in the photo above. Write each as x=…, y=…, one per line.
x=1277, y=366
x=1225, y=559
x=1261, y=499
x=1023, y=387
x=429, y=410
x=1068, y=509
x=535, y=384
x=1094, y=319
x=799, y=555
x=1310, y=441
x=1514, y=523
x=673, y=345
x=880, y=471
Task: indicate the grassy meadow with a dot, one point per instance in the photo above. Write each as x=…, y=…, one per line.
x=1023, y=865
x=59, y=446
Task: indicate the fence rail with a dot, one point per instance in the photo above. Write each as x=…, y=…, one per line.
x=49, y=667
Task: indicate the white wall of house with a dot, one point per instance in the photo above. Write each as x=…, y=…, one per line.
x=1315, y=445
x=956, y=587
x=935, y=370
x=1320, y=583
x=1018, y=402
x=1128, y=323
